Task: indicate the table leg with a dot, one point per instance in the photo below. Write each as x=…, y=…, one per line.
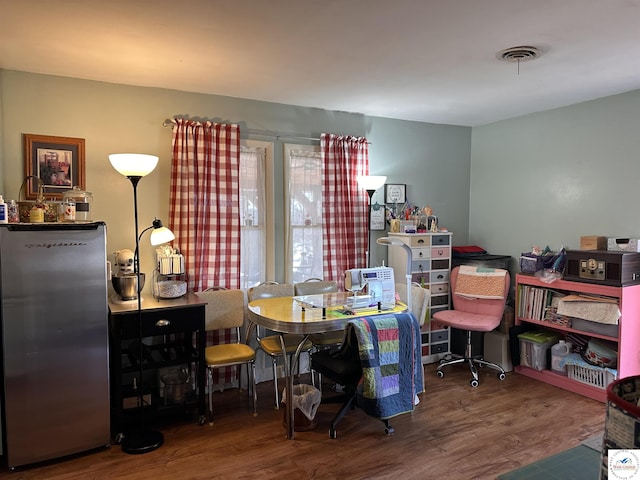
x=288, y=387
x=289, y=369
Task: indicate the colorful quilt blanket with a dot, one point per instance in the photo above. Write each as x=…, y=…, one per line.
x=390, y=352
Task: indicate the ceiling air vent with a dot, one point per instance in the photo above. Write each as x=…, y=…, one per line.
x=519, y=54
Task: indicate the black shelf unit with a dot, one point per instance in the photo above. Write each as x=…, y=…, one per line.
x=173, y=335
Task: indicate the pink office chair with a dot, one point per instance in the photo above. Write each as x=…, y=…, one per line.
x=474, y=313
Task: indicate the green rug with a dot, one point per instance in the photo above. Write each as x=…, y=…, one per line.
x=578, y=463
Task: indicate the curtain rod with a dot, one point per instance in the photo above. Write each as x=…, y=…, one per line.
x=265, y=133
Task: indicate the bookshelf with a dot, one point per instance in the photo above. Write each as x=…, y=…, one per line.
x=535, y=306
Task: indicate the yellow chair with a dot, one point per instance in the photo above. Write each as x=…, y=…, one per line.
x=270, y=344
x=225, y=310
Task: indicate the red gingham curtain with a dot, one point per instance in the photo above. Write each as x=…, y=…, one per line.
x=344, y=204
x=204, y=201
x=204, y=211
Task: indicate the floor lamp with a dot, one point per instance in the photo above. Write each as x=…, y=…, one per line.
x=370, y=183
x=134, y=166
x=390, y=242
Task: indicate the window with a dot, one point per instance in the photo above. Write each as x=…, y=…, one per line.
x=256, y=212
x=303, y=177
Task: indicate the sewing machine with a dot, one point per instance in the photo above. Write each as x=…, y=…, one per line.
x=379, y=282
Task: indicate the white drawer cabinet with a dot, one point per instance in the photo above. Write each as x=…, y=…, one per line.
x=430, y=267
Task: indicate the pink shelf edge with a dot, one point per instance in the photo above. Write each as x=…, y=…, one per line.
x=563, y=382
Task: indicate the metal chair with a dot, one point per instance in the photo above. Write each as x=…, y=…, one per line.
x=315, y=286
x=320, y=341
x=474, y=314
x=270, y=344
x=225, y=310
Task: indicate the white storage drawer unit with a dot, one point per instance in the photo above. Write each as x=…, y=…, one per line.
x=430, y=267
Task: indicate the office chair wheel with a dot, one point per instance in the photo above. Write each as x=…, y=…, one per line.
x=474, y=383
x=332, y=433
x=388, y=431
x=501, y=376
x=440, y=373
x=202, y=420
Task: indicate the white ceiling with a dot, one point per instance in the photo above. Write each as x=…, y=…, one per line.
x=424, y=60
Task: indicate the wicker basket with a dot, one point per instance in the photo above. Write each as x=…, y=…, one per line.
x=595, y=376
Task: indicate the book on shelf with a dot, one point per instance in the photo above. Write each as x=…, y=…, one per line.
x=535, y=302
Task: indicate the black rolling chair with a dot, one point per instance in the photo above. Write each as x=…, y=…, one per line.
x=342, y=367
x=359, y=370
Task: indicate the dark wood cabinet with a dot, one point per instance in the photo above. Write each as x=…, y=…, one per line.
x=173, y=336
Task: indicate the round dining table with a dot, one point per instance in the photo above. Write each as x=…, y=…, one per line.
x=305, y=315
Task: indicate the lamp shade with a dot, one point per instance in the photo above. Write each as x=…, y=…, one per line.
x=161, y=235
x=133, y=164
x=371, y=182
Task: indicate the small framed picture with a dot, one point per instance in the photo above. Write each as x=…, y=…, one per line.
x=377, y=217
x=395, y=193
x=57, y=161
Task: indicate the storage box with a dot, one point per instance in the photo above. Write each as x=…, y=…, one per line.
x=496, y=349
x=623, y=244
x=591, y=242
x=595, y=327
x=534, y=348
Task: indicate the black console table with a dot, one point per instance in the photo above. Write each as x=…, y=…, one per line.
x=168, y=330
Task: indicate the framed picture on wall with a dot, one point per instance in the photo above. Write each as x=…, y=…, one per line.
x=57, y=161
x=395, y=193
x=378, y=217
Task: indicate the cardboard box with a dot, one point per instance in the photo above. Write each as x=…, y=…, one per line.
x=592, y=242
x=623, y=244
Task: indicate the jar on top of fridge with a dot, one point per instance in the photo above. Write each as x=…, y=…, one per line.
x=82, y=201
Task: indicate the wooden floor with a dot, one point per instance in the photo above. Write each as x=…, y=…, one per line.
x=456, y=432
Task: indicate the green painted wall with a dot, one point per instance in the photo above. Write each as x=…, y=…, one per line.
x=433, y=160
x=552, y=177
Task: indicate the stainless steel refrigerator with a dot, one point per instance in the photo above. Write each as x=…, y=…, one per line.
x=55, y=340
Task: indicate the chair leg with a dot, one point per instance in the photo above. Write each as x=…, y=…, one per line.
x=473, y=361
x=482, y=362
x=275, y=381
x=341, y=413
x=474, y=370
x=253, y=387
x=210, y=390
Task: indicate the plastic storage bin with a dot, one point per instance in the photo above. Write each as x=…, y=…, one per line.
x=534, y=348
x=595, y=376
